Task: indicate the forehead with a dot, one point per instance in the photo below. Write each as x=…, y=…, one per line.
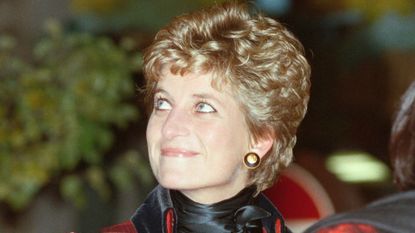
x=203, y=80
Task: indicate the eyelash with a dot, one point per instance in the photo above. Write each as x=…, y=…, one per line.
x=157, y=99
x=207, y=103
x=160, y=98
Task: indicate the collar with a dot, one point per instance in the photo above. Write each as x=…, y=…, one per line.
x=157, y=214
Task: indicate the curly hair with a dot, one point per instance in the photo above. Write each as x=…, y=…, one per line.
x=261, y=61
x=402, y=141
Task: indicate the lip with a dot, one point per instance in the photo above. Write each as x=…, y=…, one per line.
x=177, y=152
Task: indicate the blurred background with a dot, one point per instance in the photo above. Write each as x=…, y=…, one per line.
x=72, y=121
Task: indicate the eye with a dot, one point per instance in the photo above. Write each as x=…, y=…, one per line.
x=162, y=104
x=204, y=107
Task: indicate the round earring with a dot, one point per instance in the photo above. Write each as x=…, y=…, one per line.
x=252, y=160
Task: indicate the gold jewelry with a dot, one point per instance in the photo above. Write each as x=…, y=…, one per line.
x=252, y=160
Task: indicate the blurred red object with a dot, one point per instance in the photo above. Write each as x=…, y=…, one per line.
x=300, y=198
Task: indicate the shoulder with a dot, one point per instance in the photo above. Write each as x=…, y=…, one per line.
x=275, y=223
x=348, y=228
x=149, y=214
x=390, y=214
x=125, y=227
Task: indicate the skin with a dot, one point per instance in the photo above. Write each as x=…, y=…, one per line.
x=197, y=138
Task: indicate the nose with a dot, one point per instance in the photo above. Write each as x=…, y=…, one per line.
x=176, y=124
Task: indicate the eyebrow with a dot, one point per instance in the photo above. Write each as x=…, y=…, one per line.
x=208, y=96
x=160, y=90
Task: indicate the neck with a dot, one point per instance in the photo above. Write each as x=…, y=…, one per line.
x=230, y=215
x=208, y=198
x=214, y=194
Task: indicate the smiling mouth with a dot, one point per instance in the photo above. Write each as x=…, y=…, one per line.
x=177, y=152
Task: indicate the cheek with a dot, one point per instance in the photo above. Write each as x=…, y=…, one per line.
x=230, y=138
x=152, y=136
x=151, y=131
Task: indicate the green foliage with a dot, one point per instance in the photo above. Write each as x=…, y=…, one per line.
x=58, y=112
x=148, y=15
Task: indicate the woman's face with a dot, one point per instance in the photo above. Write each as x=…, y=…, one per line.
x=197, y=137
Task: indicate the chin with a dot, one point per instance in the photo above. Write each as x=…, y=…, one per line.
x=173, y=181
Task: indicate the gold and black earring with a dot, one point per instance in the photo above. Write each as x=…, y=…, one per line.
x=252, y=160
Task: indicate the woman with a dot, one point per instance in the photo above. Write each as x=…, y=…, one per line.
x=394, y=213
x=227, y=91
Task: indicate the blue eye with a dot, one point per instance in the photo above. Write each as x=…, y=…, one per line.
x=203, y=107
x=162, y=104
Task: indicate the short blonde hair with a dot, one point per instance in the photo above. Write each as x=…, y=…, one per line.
x=258, y=57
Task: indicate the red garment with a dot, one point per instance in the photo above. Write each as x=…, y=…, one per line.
x=125, y=227
x=349, y=228
x=128, y=227
x=156, y=215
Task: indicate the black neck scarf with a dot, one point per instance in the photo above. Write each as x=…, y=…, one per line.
x=237, y=214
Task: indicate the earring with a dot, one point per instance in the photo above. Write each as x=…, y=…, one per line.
x=252, y=160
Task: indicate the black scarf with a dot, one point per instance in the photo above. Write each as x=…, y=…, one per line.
x=237, y=214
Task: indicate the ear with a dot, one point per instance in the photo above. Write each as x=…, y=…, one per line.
x=263, y=145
